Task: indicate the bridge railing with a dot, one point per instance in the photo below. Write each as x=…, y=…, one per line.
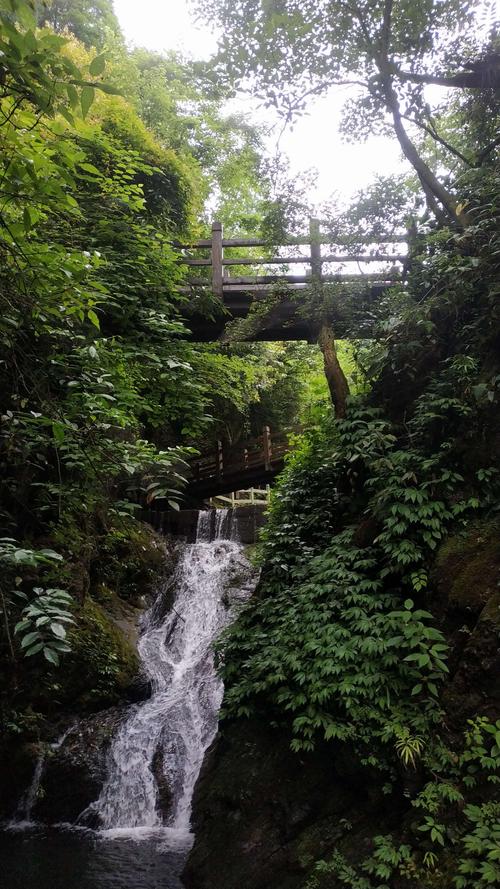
x=221, y=282
x=261, y=452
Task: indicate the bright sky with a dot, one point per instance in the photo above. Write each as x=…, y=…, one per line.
x=314, y=142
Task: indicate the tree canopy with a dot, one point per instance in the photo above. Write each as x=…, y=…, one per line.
x=91, y=21
x=387, y=51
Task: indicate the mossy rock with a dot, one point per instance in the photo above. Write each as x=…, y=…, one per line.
x=131, y=559
x=467, y=567
x=102, y=664
x=491, y=611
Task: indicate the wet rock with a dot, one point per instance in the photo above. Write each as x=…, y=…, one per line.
x=139, y=689
x=241, y=582
x=17, y=765
x=474, y=686
x=263, y=815
x=246, y=521
x=466, y=576
x=467, y=569
x=164, y=789
x=74, y=774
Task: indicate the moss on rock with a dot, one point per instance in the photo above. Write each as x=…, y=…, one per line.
x=102, y=664
x=467, y=567
x=130, y=560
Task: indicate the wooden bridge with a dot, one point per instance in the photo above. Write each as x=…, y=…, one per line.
x=283, y=321
x=228, y=469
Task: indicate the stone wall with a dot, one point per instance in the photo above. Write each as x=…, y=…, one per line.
x=245, y=520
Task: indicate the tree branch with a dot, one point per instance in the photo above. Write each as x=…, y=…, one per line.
x=430, y=182
x=431, y=131
x=385, y=35
x=478, y=79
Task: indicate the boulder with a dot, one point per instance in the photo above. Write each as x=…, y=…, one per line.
x=75, y=771
x=263, y=814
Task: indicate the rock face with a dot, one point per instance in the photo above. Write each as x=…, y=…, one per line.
x=467, y=576
x=263, y=815
x=74, y=773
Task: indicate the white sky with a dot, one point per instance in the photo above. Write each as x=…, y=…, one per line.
x=314, y=142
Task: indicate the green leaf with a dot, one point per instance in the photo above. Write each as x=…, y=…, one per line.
x=27, y=640
x=87, y=96
x=97, y=65
x=89, y=168
x=72, y=95
x=58, y=630
x=59, y=432
x=51, y=655
x=34, y=650
x=91, y=315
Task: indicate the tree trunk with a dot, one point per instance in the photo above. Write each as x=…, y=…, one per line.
x=430, y=183
x=335, y=377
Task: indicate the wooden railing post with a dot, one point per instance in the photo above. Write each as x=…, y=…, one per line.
x=217, y=269
x=268, y=451
x=314, y=233
x=220, y=459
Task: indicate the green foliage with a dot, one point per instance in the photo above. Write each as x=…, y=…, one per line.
x=333, y=644
x=42, y=628
x=91, y=21
x=339, y=643
x=44, y=613
x=102, y=396
x=102, y=663
x=387, y=52
x=455, y=841
x=80, y=207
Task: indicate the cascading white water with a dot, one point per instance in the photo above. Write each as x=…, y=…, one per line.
x=24, y=812
x=170, y=732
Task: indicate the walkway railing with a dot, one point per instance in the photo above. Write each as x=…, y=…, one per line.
x=222, y=284
x=243, y=497
x=259, y=456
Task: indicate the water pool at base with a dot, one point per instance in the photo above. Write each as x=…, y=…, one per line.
x=58, y=858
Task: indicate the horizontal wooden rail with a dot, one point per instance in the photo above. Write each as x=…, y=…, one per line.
x=227, y=287
x=294, y=279
x=262, y=454
x=302, y=260
x=384, y=238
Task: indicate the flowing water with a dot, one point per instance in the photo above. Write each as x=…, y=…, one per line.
x=24, y=812
x=144, y=808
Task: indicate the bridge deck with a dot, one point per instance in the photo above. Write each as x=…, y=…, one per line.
x=284, y=321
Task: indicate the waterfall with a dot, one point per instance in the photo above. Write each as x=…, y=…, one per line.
x=24, y=813
x=23, y=816
x=157, y=753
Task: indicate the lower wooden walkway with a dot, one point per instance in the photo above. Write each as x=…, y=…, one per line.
x=228, y=469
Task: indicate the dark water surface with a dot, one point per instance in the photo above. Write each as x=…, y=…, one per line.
x=50, y=858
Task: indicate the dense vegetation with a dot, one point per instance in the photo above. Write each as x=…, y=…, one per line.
x=109, y=157
x=349, y=641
